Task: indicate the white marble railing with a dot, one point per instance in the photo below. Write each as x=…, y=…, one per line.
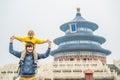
x=65, y=69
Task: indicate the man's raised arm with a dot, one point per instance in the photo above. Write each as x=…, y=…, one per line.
x=11, y=50
x=47, y=52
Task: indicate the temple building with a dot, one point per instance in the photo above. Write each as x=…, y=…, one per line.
x=79, y=42
x=79, y=56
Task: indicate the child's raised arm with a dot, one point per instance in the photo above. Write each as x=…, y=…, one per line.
x=40, y=41
x=19, y=38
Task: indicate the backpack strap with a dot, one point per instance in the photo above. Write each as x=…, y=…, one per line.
x=23, y=54
x=20, y=63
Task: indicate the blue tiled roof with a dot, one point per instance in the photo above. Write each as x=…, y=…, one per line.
x=87, y=24
x=80, y=21
x=78, y=18
x=80, y=47
x=78, y=36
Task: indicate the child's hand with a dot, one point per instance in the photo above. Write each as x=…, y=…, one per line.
x=47, y=40
x=11, y=39
x=49, y=44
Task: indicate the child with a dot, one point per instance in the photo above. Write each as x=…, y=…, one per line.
x=30, y=38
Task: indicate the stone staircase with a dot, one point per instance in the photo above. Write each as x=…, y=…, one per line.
x=114, y=68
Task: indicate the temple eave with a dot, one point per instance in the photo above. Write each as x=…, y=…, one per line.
x=79, y=37
x=106, y=52
x=87, y=24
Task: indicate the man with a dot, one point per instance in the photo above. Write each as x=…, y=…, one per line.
x=27, y=69
x=30, y=38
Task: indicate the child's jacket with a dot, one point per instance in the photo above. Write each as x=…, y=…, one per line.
x=33, y=40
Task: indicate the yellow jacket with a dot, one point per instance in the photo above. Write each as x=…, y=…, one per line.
x=33, y=40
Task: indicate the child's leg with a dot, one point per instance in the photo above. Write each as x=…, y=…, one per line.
x=23, y=55
x=35, y=56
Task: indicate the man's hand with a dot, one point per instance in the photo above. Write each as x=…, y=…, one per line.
x=47, y=40
x=49, y=44
x=11, y=39
x=13, y=36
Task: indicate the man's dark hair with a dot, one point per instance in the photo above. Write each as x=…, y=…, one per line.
x=29, y=44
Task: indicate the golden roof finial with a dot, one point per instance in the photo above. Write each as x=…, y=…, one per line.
x=78, y=9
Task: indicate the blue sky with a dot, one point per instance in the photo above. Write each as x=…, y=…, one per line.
x=45, y=18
